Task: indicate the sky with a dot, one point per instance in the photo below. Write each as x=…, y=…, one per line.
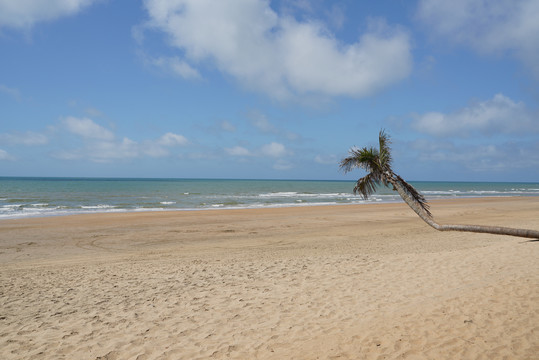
x=260, y=89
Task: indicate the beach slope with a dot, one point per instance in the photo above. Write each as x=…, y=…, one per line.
x=328, y=282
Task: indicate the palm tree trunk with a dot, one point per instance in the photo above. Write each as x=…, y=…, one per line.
x=533, y=234
x=413, y=204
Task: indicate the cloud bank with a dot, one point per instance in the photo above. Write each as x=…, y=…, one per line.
x=29, y=138
x=87, y=128
x=25, y=13
x=102, y=145
x=487, y=26
x=5, y=156
x=499, y=115
x=503, y=157
x=277, y=54
x=273, y=149
x=495, y=135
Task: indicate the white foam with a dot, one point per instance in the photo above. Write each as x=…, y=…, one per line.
x=143, y=209
x=97, y=207
x=279, y=194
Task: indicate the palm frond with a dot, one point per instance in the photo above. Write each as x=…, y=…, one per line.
x=366, y=186
x=364, y=158
x=385, y=158
x=414, y=194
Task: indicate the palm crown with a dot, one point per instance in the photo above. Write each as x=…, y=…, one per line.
x=377, y=162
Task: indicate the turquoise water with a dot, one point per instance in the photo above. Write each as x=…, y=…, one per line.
x=29, y=197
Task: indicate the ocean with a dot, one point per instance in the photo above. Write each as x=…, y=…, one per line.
x=22, y=197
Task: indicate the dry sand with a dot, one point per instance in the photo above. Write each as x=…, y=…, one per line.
x=335, y=282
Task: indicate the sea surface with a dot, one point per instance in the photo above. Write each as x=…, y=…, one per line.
x=22, y=197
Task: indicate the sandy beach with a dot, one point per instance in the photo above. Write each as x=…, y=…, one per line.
x=327, y=282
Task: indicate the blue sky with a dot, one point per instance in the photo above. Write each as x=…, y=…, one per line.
x=268, y=89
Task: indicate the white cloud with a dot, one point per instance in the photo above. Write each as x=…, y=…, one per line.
x=487, y=26
x=102, y=151
x=153, y=150
x=171, y=139
x=87, y=128
x=238, y=151
x=67, y=155
x=277, y=54
x=261, y=122
x=28, y=138
x=326, y=160
x=15, y=93
x=497, y=115
x=337, y=16
x=227, y=126
x=105, y=151
x=274, y=149
x=25, y=13
x=282, y=165
x=93, y=112
x=175, y=66
x=503, y=157
x=101, y=144
x=4, y=155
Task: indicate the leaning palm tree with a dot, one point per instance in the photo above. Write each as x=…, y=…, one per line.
x=378, y=164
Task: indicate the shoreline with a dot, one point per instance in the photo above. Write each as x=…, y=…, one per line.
x=256, y=207
x=306, y=207
x=126, y=229
x=338, y=281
